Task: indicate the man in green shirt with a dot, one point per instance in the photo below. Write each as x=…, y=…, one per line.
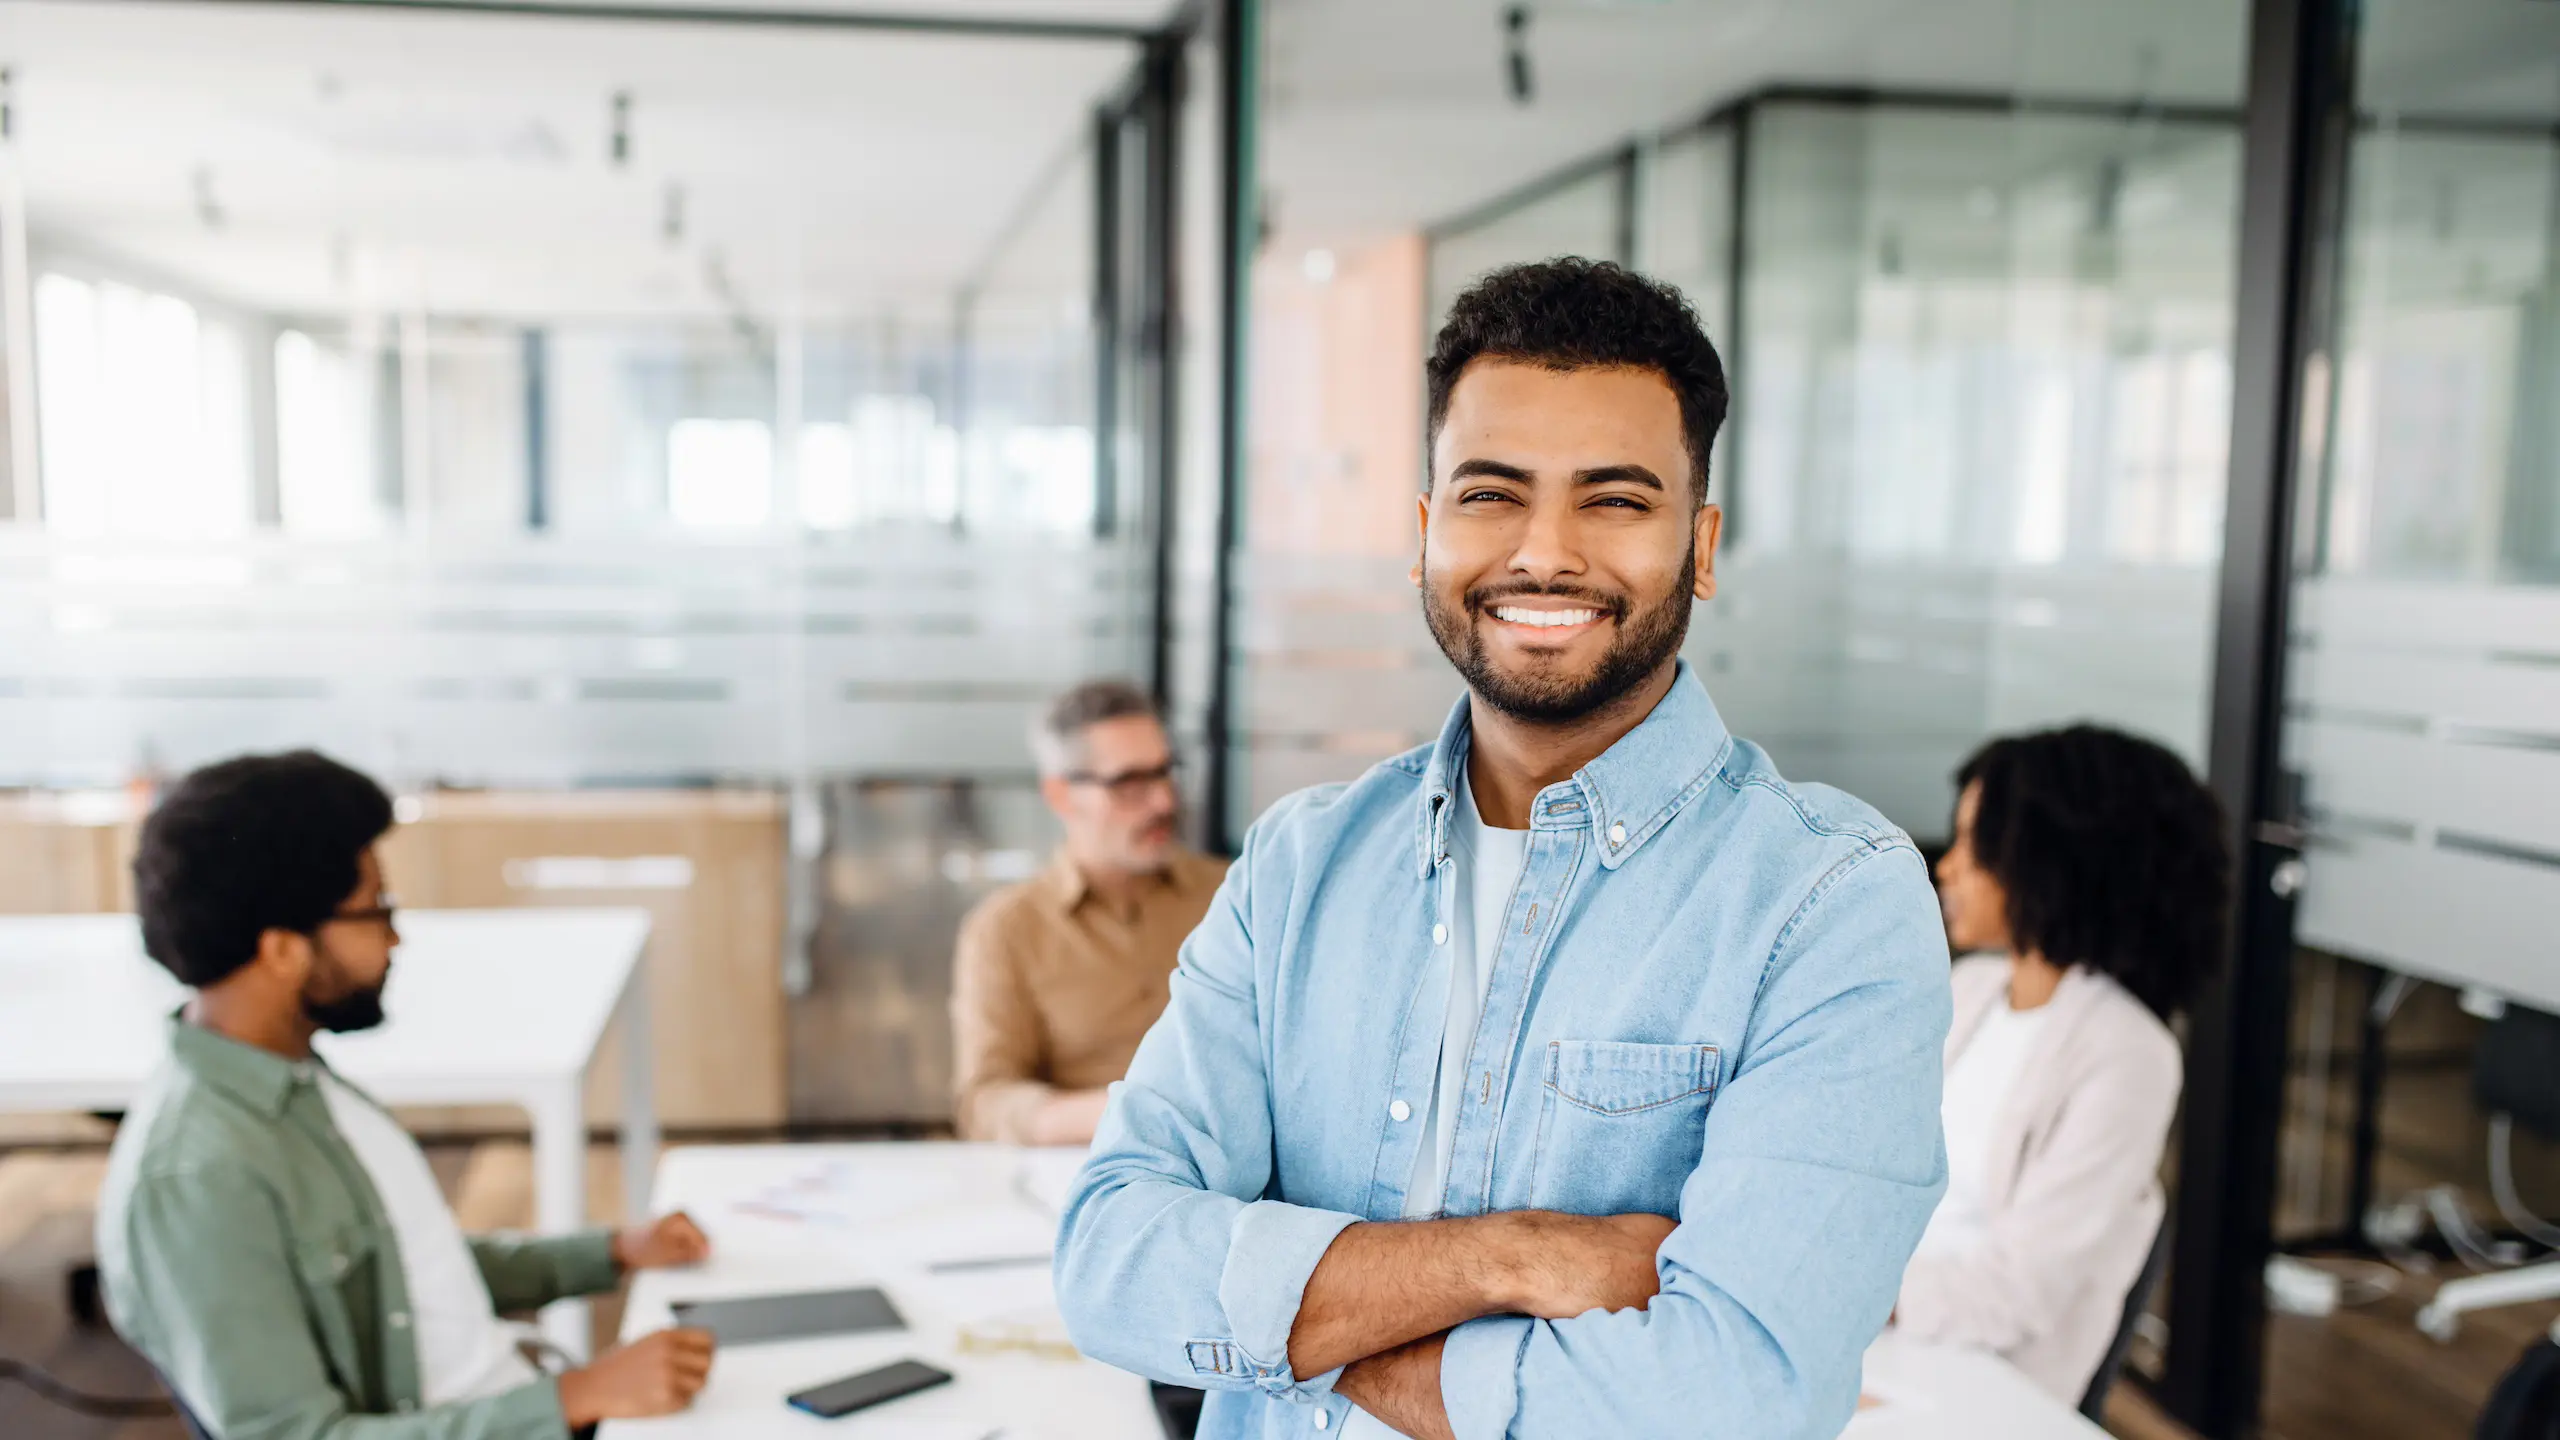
x=270, y=1239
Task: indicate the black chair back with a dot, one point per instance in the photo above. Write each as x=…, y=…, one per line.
x=2093, y=1405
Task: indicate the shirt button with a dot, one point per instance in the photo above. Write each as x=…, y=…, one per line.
x=1439, y=934
x=1617, y=835
x=399, y=1319
x=1400, y=1112
x=1323, y=1421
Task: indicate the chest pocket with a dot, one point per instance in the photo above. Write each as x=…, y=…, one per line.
x=339, y=1275
x=1621, y=1124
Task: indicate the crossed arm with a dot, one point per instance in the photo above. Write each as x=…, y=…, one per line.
x=1178, y=1257
x=1383, y=1296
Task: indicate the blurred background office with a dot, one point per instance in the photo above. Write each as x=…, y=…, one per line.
x=678, y=452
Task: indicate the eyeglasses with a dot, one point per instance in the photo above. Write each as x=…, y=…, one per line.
x=381, y=911
x=1128, y=785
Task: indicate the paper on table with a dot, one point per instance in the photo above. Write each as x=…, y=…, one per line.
x=840, y=1194
x=1048, y=1177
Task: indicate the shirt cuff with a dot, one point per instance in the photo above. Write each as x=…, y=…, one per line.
x=1480, y=1376
x=531, y=1411
x=1272, y=1248
x=583, y=1263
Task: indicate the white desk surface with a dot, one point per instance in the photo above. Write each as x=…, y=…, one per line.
x=1932, y=1392
x=481, y=1002
x=909, y=1206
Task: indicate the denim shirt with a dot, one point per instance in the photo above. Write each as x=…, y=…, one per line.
x=1719, y=997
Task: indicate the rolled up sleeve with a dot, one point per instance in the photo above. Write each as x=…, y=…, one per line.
x=1170, y=1262
x=1822, y=1161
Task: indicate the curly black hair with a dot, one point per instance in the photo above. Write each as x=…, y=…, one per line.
x=2112, y=854
x=1576, y=314
x=263, y=842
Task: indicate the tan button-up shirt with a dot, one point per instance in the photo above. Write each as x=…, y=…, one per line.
x=1054, y=984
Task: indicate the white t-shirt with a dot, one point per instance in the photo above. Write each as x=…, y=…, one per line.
x=464, y=1351
x=1485, y=866
x=1977, y=1086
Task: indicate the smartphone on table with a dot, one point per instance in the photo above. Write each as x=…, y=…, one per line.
x=871, y=1387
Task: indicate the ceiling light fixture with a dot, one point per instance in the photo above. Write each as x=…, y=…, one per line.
x=208, y=209
x=1515, y=27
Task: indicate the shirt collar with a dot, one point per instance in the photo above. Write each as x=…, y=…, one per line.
x=1068, y=886
x=1624, y=796
x=257, y=1078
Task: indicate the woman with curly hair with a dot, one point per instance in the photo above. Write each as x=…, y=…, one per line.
x=2086, y=889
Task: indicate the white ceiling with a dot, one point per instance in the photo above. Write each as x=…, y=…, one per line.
x=1386, y=114
x=457, y=162
x=390, y=159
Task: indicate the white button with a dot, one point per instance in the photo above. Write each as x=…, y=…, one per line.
x=1400, y=1111
x=1323, y=1421
x=1617, y=836
x=1439, y=934
x=399, y=1319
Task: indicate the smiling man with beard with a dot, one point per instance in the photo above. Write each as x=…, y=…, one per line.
x=1576, y=1074
x=270, y=1238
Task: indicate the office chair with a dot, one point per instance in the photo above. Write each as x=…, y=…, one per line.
x=2136, y=1301
x=2515, y=1078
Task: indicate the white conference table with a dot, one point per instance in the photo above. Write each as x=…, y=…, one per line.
x=816, y=1217
x=485, y=1007
x=884, y=1214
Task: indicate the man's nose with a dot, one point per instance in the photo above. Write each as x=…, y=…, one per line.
x=1549, y=547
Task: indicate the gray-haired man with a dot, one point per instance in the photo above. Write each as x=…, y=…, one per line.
x=1057, y=979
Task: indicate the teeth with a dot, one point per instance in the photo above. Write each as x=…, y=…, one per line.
x=1544, y=618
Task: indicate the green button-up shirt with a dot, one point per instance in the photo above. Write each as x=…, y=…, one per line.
x=247, y=1256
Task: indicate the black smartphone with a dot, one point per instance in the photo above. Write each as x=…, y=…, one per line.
x=871, y=1387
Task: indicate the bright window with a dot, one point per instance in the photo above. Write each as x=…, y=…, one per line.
x=720, y=474
x=325, y=478
x=143, y=412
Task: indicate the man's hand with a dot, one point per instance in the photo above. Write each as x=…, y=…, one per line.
x=1567, y=1265
x=1401, y=1389
x=1069, y=1118
x=674, y=1240
x=656, y=1375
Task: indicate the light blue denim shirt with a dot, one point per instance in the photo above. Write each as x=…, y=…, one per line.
x=1719, y=997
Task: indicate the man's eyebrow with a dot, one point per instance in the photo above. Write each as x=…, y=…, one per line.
x=1479, y=468
x=1617, y=475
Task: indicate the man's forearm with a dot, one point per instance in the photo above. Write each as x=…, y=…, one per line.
x=1381, y=1285
x=1067, y=1117
x=1402, y=1389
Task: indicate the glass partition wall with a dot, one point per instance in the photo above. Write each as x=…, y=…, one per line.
x=1981, y=365
x=677, y=409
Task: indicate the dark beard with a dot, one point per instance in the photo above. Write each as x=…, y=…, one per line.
x=1645, y=640
x=359, y=1011
x=356, y=1010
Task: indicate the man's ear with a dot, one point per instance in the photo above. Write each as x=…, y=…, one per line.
x=1422, y=535
x=285, y=956
x=1053, y=790
x=1709, y=534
